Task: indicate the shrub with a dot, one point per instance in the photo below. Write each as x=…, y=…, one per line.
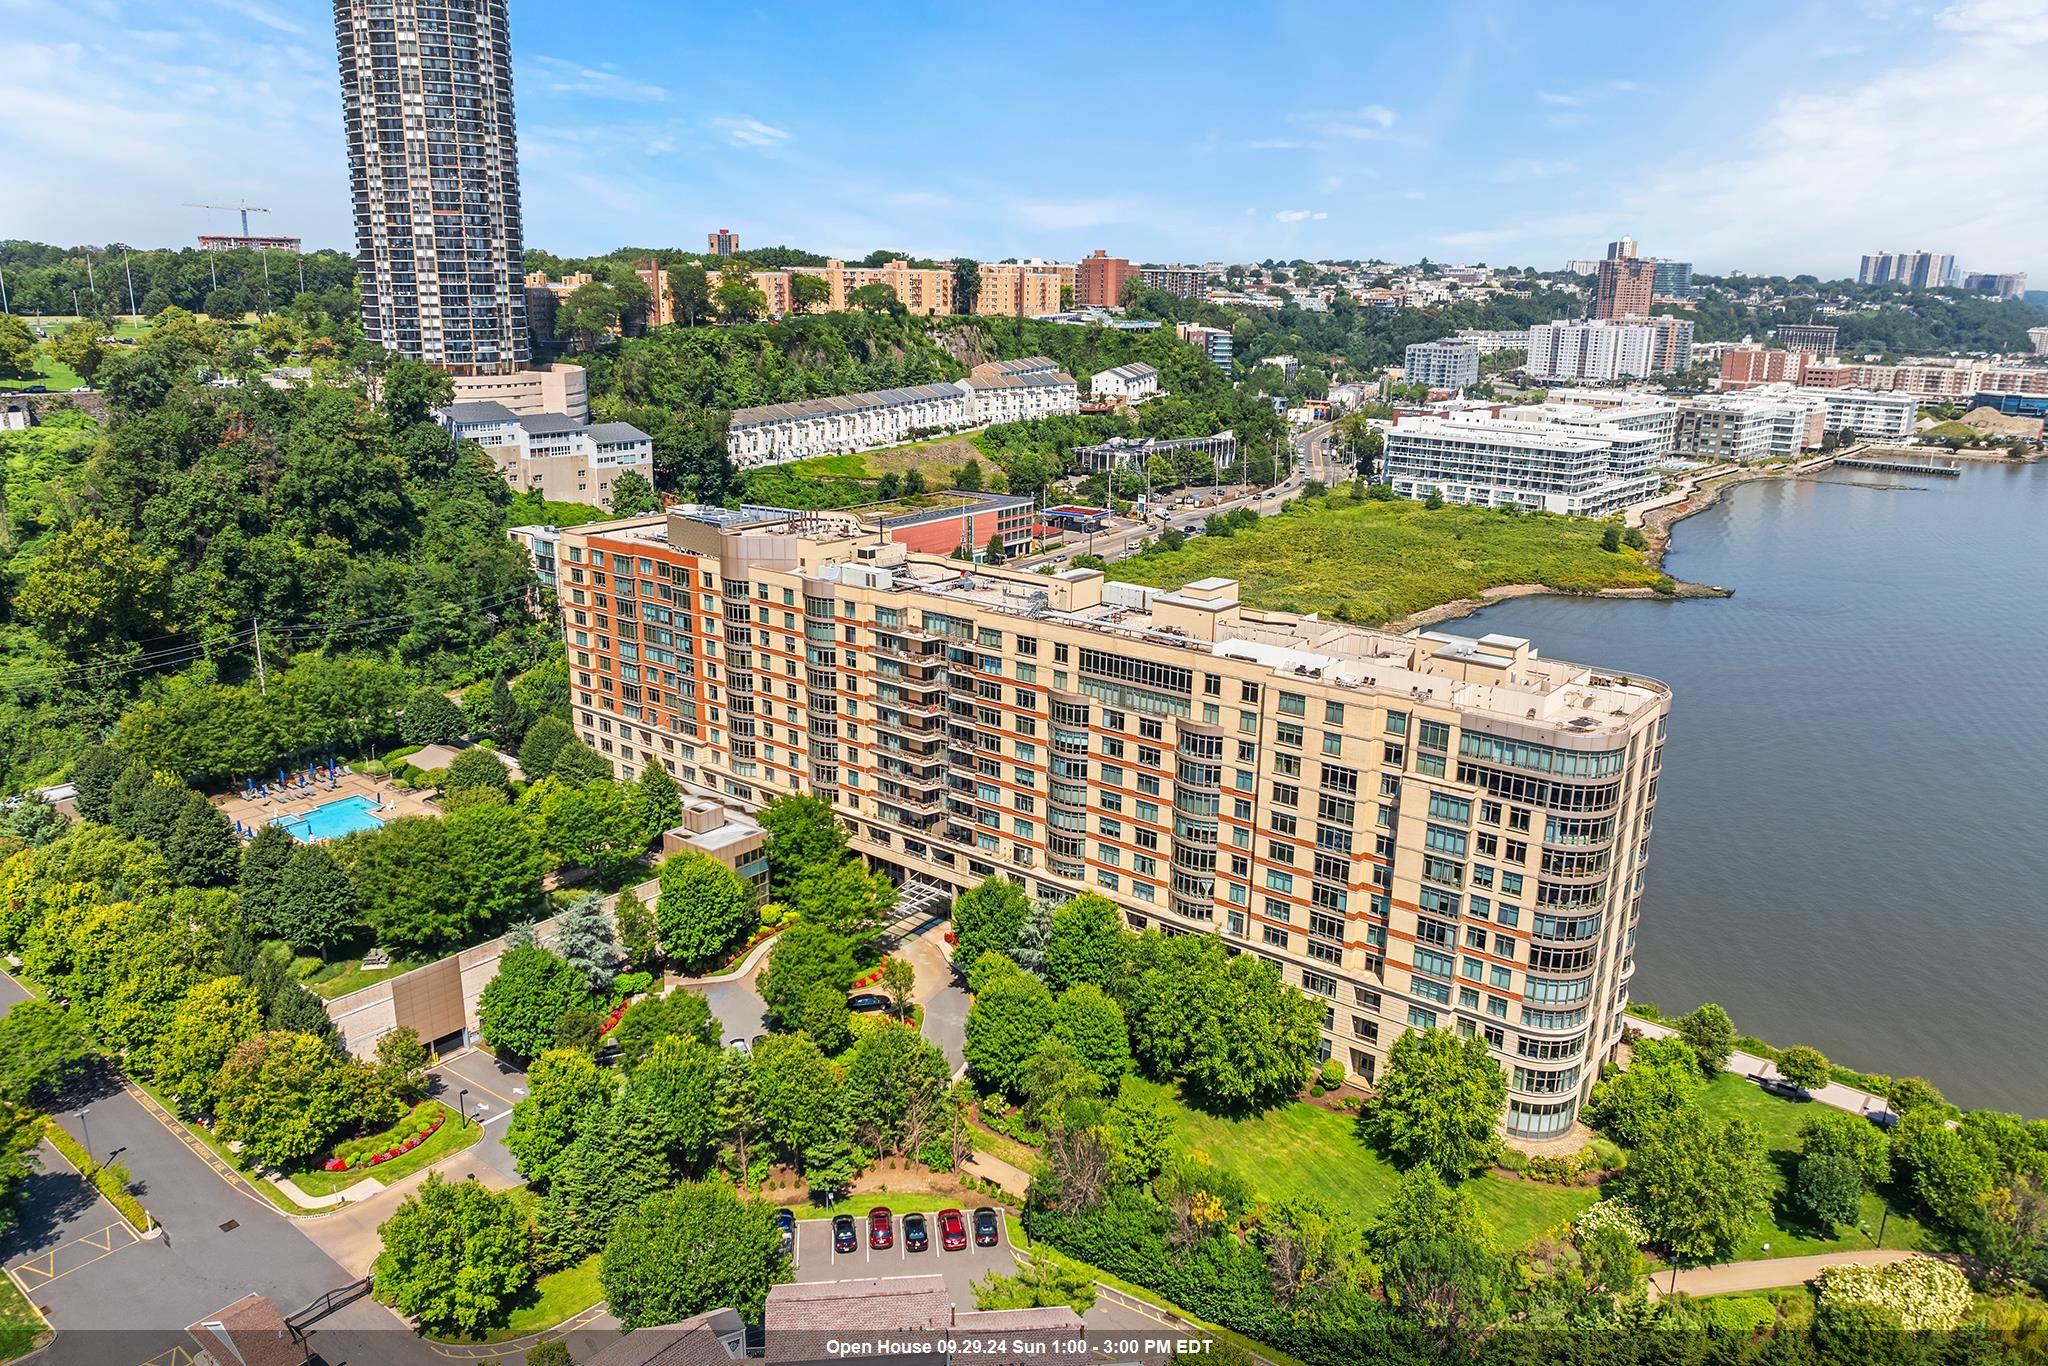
x=1918, y=1294
x=1333, y=1072
x=1613, y=1214
x=1740, y=1315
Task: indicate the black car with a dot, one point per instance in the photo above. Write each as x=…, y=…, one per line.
x=866, y=1001
x=785, y=1226
x=916, y=1237
x=985, y=1227
x=845, y=1238
x=1778, y=1086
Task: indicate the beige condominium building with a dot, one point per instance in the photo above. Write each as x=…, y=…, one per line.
x=1023, y=289
x=1418, y=830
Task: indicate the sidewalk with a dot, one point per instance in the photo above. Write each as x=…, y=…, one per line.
x=1770, y=1273
x=1758, y=1069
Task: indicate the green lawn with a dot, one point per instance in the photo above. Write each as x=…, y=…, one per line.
x=557, y=1296
x=452, y=1137
x=1786, y=1233
x=1372, y=562
x=1301, y=1151
x=339, y=978
x=936, y=459
x=21, y=1331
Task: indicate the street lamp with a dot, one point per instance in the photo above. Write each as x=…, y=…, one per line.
x=462, y=1103
x=87, y=1130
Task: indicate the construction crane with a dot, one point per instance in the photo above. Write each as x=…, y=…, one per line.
x=245, y=208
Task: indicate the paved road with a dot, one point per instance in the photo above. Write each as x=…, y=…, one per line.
x=941, y=991
x=1770, y=1274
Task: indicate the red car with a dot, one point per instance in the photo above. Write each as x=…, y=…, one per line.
x=881, y=1233
x=952, y=1231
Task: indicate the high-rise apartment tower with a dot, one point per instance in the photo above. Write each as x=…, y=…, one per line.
x=433, y=160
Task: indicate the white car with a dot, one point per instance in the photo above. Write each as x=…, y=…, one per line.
x=738, y=1045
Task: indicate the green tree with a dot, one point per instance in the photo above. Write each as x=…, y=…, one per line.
x=1710, y=1034
x=830, y=1162
x=681, y=1014
x=314, y=908
x=1087, y=944
x=657, y=801
x=285, y=1097
x=1039, y=1284
x=689, y=1250
x=94, y=594
x=542, y=744
x=1806, y=1068
x=215, y=1018
x=797, y=1091
x=807, y=292
x=1662, y=1079
x=1828, y=1187
x=690, y=291
x=79, y=346
x=803, y=837
x=508, y=722
x=633, y=496
x=565, y=1091
x=676, y=1085
x=589, y=311
x=18, y=348
x=21, y=1133
x=703, y=909
x=476, y=768
x=876, y=298
x=431, y=719
x=531, y=992
x=1089, y=1021
x=1698, y=1186
x=845, y=899
x=1437, y=1260
x=738, y=301
x=639, y=936
x=1908, y=1094
x=1438, y=1103
x=1610, y=538
x=738, y=1095
x=1009, y=1016
x=988, y=918
x=618, y=1160
x=583, y=939
x=402, y=1059
x=894, y=1085
x=1835, y=1133
x=1949, y=1174
x=826, y=1019
x=43, y=1049
x=899, y=980
x=455, y=1256
x=966, y=284
x=804, y=957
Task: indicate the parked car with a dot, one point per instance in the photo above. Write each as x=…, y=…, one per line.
x=916, y=1237
x=867, y=1001
x=881, y=1228
x=737, y=1044
x=844, y=1238
x=785, y=1226
x=985, y=1227
x=1778, y=1086
x=952, y=1231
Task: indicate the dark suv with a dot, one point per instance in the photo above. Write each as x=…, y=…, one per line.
x=985, y=1227
x=844, y=1238
x=916, y=1234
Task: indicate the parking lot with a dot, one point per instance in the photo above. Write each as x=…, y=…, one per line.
x=816, y=1261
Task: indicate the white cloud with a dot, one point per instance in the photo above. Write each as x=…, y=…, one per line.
x=257, y=12
x=1067, y=214
x=1370, y=123
x=1555, y=97
x=561, y=77
x=1300, y=216
x=2009, y=21
x=1534, y=169
x=1279, y=144
x=1332, y=183
x=1413, y=194
x=742, y=130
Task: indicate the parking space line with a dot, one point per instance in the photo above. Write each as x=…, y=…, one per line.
x=42, y=1267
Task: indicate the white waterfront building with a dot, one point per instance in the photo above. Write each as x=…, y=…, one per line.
x=1581, y=471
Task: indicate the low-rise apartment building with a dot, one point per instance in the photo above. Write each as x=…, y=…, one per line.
x=1419, y=831
x=1214, y=342
x=1747, y=427
x=1001, y=391
x=1861, y=412
x=1129, y=383
x=562, y=458
x=1186, y=281
x=1746, y=367
x=1579, y=471
x=1441, y=364
x=1023, y=289
x=557, y=388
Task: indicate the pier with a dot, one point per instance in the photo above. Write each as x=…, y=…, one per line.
x=1865, y=462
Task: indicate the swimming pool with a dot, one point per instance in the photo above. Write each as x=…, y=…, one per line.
x=332, y=820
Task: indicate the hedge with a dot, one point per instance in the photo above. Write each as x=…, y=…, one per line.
x=110, y=1181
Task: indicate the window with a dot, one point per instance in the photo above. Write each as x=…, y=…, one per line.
x=1418, y=1018
x=1333, y=713
x=1274, y=935
x=1293, y=704
x=1288, y=733
x=1320, y=983
x=1445, y=807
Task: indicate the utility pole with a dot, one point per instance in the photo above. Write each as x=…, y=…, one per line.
x=3, y=291
x=261, y=686
x=134, y=315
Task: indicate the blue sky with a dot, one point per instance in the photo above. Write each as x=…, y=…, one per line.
x=1780, y=136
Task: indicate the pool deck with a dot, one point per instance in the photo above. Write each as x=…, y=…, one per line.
x=392, y=802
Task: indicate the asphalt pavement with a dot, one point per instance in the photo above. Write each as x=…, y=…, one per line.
x=817, y=1261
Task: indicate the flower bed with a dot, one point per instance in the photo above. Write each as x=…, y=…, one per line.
x=870, y=977
x=395, y=1142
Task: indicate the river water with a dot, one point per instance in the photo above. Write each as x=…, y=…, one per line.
x=1851, y=846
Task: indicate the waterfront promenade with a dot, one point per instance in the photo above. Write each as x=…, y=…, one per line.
x=1757, y=1069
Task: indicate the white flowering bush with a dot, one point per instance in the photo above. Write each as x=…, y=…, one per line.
x=1922, y=1292
x=1614, y=1214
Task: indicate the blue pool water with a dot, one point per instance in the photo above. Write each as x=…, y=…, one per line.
x=332, y=820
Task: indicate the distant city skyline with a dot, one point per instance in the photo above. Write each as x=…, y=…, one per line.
x=1466, y=136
